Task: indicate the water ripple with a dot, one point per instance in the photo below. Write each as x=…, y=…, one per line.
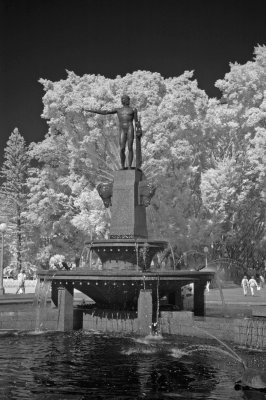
x=89, y=365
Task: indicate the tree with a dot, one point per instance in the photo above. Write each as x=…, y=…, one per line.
x=172, y=112
x=233, y=188
x=50, y=200
x=14, y=192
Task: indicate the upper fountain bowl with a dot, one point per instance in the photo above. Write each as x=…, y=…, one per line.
x=121, y=254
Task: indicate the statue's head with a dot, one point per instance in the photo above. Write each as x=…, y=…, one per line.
x=125, y=100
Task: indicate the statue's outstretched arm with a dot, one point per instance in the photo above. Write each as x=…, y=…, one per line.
x=103, y=112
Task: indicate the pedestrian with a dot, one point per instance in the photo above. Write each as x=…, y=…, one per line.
x=262, y=280
x=252, y=284
x=244, y=284
x=21, y=282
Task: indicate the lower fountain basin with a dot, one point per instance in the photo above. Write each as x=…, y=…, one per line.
x=121, y=288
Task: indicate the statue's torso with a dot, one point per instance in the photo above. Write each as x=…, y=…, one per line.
x=125, y=115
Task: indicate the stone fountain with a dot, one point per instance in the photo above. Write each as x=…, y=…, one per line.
x=126, y=281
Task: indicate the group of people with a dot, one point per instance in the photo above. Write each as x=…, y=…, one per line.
x=251, y=284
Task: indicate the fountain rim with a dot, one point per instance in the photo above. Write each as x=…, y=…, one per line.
x=125, y=242
x=86, y=273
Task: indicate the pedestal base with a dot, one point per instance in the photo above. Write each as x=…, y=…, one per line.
x=65, y=309
x=128, y=216
x=145, y=312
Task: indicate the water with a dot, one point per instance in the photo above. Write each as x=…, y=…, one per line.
x=40, y=303
x=92, y=365
x=172, y=254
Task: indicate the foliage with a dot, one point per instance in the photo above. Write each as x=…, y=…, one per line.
x=52, y=194
x=206, y=158
x=233, y=188
x=56, y=262
x=13, y=194
x=30, y=270
x=172, y=112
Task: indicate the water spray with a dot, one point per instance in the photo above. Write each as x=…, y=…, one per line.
x=232, y=352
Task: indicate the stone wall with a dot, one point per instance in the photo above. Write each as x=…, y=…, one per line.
x=26, y=320
x=109, y=321
x=248, y=332
x=185, y=324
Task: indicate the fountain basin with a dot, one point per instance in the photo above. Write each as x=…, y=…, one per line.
x=122, y=288
x=123, y=254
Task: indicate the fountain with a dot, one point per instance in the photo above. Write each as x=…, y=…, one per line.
x=126, y=280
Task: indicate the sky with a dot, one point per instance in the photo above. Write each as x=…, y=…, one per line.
x=44, y=38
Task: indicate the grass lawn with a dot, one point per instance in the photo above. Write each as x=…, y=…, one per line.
x=236, y=296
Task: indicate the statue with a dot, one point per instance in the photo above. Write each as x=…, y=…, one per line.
x=126, y=115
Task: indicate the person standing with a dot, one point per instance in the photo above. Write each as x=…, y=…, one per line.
x=244, y=284
x=252, y=284
x=262, y=280
x=21, y=282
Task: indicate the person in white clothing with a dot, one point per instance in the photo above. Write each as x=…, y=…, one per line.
x=252, y=284
x=244, y=284
x=21, y=282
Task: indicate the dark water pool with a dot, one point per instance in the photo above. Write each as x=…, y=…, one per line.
x=83, y=365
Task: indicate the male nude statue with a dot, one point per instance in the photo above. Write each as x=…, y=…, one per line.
x=126, y=115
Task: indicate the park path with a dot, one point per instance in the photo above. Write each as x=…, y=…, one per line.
x=235, y=296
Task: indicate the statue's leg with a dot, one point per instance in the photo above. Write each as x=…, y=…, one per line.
x=122, y=143
x=130, y=140
x=138, y=152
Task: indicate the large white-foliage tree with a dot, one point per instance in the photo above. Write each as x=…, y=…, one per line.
x=81, y=150
x=233, y=187
x=205, y=156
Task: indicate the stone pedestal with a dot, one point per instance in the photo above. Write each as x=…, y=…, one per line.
x=199, y=303
x=65, y=309
x=128, y=217
x=145, y=312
